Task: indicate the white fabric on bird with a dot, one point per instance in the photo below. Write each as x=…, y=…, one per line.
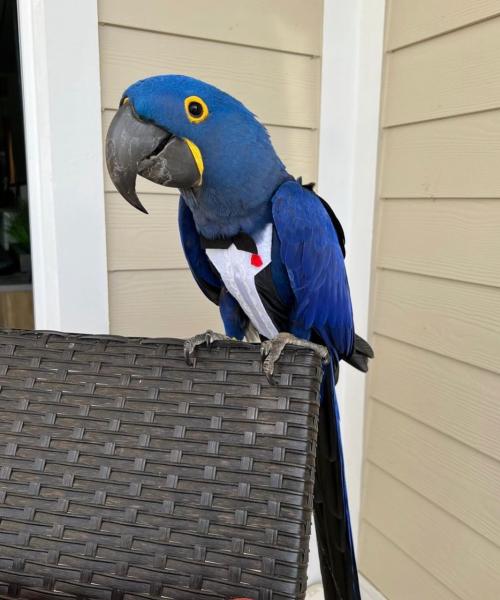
x=238, y=269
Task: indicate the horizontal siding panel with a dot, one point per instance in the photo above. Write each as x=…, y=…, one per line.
x=454, y=158
x=430, y=512
x=411, y=21
x=282, y=89
x=460, y=480
x=460, y=558
x=448, y=75
x=289, y=25
x=139, y=241
x=394, y=572
x=463, y=404
x=159, y=303
x=456, y=319
x=458, y=239
x=297, y=148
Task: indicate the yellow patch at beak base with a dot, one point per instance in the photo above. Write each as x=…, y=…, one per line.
x=198, y=159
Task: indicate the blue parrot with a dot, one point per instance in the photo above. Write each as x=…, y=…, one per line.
x=262, y=246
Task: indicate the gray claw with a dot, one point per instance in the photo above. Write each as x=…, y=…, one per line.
x=188, y=352
x=211, y=337
x=207, y=338
x=268, y=368
x=271, y=351
x=265, y=348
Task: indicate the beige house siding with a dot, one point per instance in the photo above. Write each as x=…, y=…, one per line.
x=431, y=480
x=271, y=64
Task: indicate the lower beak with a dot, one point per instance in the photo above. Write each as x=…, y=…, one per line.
x=135, y=147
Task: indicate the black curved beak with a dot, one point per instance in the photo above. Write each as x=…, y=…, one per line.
x=135, y=147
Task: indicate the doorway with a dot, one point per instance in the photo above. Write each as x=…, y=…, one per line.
x=16, y=296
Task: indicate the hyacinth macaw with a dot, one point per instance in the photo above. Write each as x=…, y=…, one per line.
x=262, y=246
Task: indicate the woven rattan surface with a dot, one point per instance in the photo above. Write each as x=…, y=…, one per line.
x=125, y=473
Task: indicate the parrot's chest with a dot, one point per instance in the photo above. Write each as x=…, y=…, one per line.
x=245, y=273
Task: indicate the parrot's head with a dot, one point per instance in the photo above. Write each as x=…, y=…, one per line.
x=181, y=132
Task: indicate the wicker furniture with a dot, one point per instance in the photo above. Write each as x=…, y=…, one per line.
x=126, y=474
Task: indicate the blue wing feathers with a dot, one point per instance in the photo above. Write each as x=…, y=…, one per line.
x=205, y=277
x=235, y=321
x=312, y=254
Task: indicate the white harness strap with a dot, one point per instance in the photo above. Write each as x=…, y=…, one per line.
x=238, y=269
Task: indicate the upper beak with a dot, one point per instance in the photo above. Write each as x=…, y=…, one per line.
x=135, y=147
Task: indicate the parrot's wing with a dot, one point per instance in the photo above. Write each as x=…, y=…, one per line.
x=208, y=281
x=312, y=254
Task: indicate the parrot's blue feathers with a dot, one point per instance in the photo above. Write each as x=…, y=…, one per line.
x=280, y=274
x=312, y=255
x=235, y=320
x=245, y=187
x=208, y=281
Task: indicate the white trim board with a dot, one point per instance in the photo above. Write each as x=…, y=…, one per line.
x=349, y=130
x=62, y=113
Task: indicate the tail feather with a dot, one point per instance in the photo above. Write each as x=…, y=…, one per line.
x=361, y=354
x=331, y=511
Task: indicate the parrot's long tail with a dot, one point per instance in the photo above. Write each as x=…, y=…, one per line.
x=331, y=511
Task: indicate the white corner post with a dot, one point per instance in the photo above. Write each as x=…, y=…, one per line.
x=349, y=131
x=62, y=113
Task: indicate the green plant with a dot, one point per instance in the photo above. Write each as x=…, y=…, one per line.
x=19, y=230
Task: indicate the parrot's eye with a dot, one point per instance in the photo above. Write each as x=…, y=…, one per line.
x=196, y=109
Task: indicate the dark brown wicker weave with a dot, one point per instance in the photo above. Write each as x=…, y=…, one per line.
x=124, y=473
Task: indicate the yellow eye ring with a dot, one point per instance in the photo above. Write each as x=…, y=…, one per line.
x=196, y=109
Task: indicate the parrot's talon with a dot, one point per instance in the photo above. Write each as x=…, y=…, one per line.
x=268, y=368
x=271, y=351
x=265, y=348
x=207, y=338
x=187, y=357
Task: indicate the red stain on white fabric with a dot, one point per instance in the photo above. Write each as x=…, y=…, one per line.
x=256, y=261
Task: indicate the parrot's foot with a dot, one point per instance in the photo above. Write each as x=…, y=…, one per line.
x=272, y=349
x=208, y=337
